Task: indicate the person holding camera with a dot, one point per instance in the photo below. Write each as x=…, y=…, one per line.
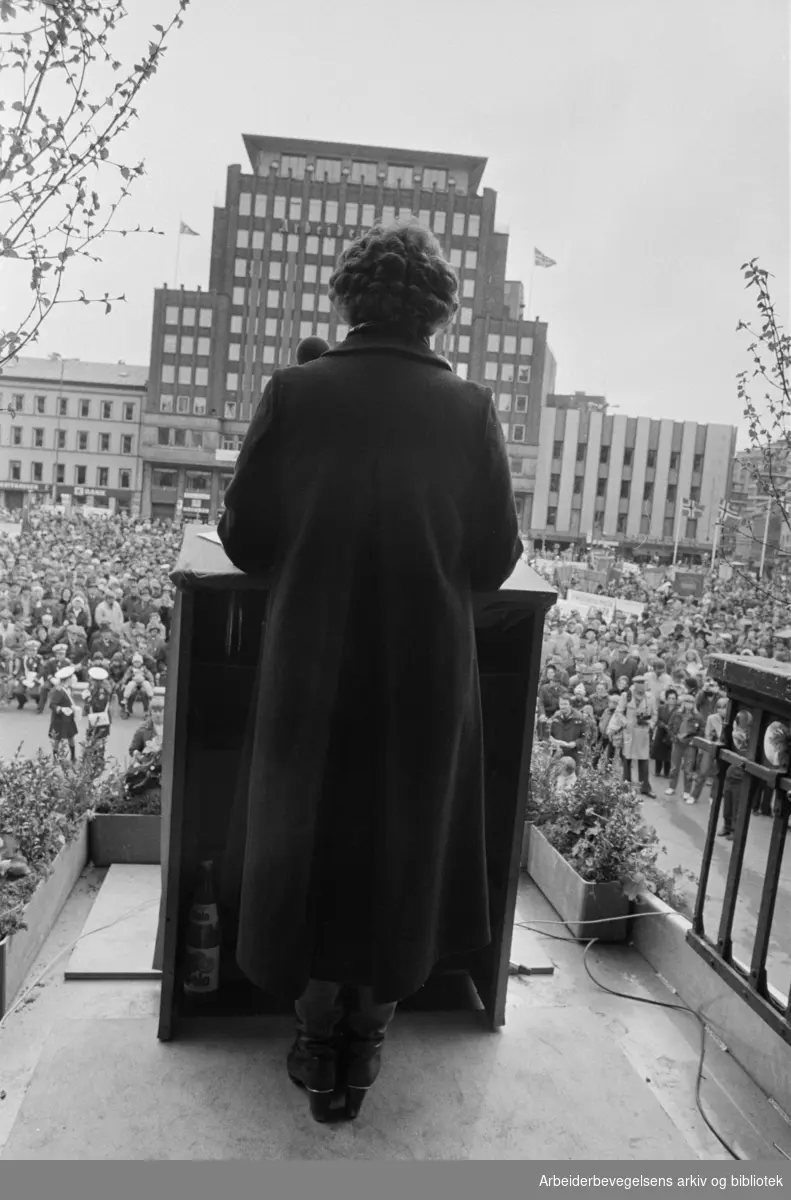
x=638, y=710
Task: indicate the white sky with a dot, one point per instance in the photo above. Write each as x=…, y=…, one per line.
x=643, y=145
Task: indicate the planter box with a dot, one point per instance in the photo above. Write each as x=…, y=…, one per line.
x=19, y=951
x=124, y=838
x=573, y=899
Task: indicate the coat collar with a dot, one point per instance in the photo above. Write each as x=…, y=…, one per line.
x=391, y=339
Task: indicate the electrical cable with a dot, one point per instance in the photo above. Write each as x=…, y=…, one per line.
x=641, y=1000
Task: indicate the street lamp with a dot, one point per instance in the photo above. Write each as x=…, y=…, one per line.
x=59, y=358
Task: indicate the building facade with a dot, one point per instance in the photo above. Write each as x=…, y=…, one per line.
x=71, y=429
x=756, y=522
x=608, y=477
x=274, y=247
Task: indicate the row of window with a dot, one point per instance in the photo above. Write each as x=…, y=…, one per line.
x=628, y=458
x=668, y=529
x=82, y=440
x=513, y=433
x=105, y=409
x=296, y=166
x=506, y=372
x=505, y=401
x=507, y=343
x=625, y=492
x=59, y=474
x=329, y=212
x=189, y=316
x=274, y=297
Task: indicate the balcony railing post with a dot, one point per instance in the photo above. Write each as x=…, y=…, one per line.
x=774, y=864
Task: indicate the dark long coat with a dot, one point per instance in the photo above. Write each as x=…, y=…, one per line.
x=373, y=489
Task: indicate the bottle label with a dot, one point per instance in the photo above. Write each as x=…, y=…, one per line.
x=204, y=914
x=203, y=970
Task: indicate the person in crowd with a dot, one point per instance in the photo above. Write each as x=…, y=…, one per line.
x=63, y=723
x=420, y=486
x=662, y=745
x=685, y=724
x=96, y=711
x=713, y=732
x=137, y=684
x=149, y=734
x=104, y=641
x=108, y=612
x=735, y=776
x=566, y=776
x=567, y=730
x=657, y=680
x=638, y=709
x=25, y=669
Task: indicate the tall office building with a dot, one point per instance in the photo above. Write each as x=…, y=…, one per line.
x=274, y=246
x=609, y=477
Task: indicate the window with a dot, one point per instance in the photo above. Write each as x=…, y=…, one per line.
x=458, y=224
x=577, y=485
x=323, y=330
x=628, y=456
x=159, y=478
x=505, y=428
x=187, y=346
x=523, y=374
x=455, y=258
x=37, y=472
x=171, y=315
x=126, y=443
x=331, y=212
x=231, y=381
x=650, y=458
x=329, y=169
x=692, y=529
x=238, y=296
x=305, y=329
x=516, y=465
x=199, y=406
x=258, y=240
x=324, y=303
x=41, y=405
x=471, y=261
x=520, y=404
x=341, y=332
x=240, y=269
x=230, y=410
x=16, y=435
x=465, y=316
x=234, y=350
x=185, y=375
x=80, y=475
x=694, y=494
x=674, y=460
x=182, y=404
x=509, y=344
x=188, y=316
x=439, y=221
x=519, y=433
x=85, y=408
x=275, y=270
x=295, y=208
x=270, y=327
x=552, y=516
x=294, y=165
x=604, y=454
x=38, y=438
x=179, y=437
x=314, y=210
x=16, y=470
x=268, y=354
x=236, y=324
x=163, y=436
x=204, y=347
x=399, y=177
x=507, y=372
x=242, y=243
x=260, y=206
x=434, y=178
x=129, y=412
x=364, y=172
x=473, y=225
x=104, y=442
x=60, y=473
x=461, y=370
x=168, y=373
x=464, y=344
x=61, y=443
x=169, y=343
x=273, y=298
x=309, y=301
x=554, y=483
x=504, y=402
x=102, y=476
x=581, y=452
x=697, y=462
x=368, y=215
x=526, y=346
x=201, y=376
x=620, y=526
x=468, y=289
x=18, y=402
x=493, y=343
x=125, y=480
x=625, y=485
x=557, y=449
x=601, y=487
x=648, y=491
x=312, y=245
x=244, y=204
x=326, y=274
x=352, y=212
x=490, y=369
x=63, y=406
x=671, y=493
x=166, y=404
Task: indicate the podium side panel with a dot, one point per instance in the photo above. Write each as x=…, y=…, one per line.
x=173, y=791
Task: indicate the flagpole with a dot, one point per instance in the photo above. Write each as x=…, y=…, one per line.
x=530, y=288
x=716, y=540
x=178, y=253
x=678, y=531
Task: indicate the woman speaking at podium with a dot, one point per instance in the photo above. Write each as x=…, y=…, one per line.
x=373, y=491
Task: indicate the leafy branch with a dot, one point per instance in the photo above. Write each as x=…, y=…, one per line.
x=75, y=98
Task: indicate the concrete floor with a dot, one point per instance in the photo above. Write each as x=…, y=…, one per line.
x=576, y=1074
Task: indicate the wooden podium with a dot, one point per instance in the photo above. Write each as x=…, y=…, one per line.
x=214, y=654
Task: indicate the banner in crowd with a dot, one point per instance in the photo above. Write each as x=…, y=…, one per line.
x=586, y=600
x=602, y=562
x=654, y=577
x=688, y=583
x=587, y=580
x=631, y=608
x=545, y=565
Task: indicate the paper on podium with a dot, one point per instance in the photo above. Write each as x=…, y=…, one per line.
x=211, y=536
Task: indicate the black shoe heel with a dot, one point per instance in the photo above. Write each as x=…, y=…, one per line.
x=320, y=1105
x=354, y=1101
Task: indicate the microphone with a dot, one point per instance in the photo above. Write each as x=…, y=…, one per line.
x=310, y=348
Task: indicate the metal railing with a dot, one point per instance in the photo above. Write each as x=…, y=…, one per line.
x=752, y=763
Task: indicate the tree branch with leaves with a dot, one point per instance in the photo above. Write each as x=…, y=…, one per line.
x=62, y=181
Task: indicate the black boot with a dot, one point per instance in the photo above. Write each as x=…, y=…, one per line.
x=365, y=1032
x=312, y=1060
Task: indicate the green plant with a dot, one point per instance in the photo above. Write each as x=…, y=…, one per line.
x=598, y=827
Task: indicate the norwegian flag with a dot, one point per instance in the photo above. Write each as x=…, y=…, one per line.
x=543, y=260
x=691, y=510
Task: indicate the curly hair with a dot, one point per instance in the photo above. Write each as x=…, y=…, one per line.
x=395, y=274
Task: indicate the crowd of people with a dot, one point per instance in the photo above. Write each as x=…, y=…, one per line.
x=84, y=600
x=630, y=689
